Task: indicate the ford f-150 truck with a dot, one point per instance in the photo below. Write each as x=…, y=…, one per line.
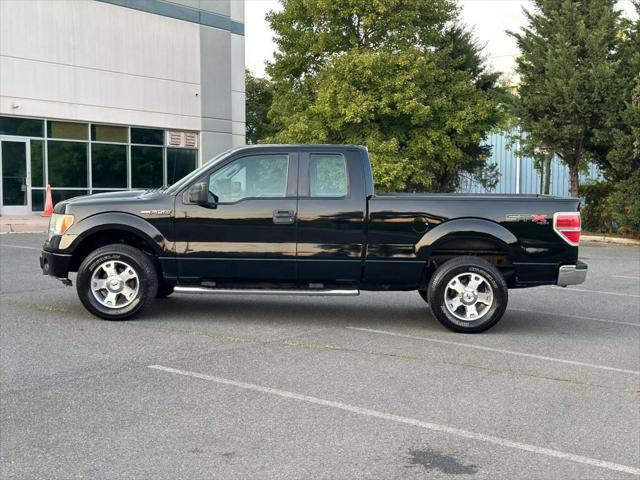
x=304, y=220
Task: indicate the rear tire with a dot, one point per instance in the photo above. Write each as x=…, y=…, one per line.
x=468, y=294
x=116, y=282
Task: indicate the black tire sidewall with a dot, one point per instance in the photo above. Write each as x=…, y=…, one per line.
x=164, y=290
x=438, y=287
x=424, y=294
x=136, y=260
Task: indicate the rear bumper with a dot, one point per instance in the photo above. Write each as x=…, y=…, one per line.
x=55, y=264
x=572, y=274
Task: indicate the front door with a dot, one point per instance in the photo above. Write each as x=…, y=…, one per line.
x=248, y=233
x=15, y=191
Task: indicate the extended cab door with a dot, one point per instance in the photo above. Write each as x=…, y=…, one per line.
x=332, y=209
x=248, y=233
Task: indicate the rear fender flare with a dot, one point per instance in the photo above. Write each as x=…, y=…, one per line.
x=467, y=228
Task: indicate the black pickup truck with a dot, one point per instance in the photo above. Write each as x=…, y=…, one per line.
x=304, y=220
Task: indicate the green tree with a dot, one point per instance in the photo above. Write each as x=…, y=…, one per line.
x=568, y=86
x=393, y=75
x=259, y=95
x=619, y=140
x=613, y=204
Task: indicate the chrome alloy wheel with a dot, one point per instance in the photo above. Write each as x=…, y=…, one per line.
x=115, y=284
x=468, y=296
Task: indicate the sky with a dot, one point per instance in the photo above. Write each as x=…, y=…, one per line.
x=487, y=18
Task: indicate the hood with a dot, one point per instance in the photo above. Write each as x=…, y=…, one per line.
x=120, y=200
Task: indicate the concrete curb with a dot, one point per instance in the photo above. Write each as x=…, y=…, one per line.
x=606, y=239
x=10, y=232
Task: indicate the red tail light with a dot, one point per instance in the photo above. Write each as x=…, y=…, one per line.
x=568, y=226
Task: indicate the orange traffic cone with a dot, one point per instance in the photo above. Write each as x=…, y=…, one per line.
x=48, y=203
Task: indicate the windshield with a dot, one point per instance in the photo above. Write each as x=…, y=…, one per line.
x=184, y=181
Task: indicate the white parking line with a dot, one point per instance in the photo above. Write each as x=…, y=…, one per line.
x=498, y=350
x=580, y=317
x=409, y=421
x=633, y=295
x=19, y=246
x=631, y=277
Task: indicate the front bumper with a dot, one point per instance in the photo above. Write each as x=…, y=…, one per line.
x=55, y=264
x=572, y=274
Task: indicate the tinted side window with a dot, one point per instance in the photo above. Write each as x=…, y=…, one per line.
x=256, y=176
x=327, y=175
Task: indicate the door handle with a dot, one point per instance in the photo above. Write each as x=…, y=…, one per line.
x=283, y=217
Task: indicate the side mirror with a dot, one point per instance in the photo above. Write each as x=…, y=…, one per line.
x=199, y=194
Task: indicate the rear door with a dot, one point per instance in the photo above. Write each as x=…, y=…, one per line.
x=250, y=234
x=331, y=217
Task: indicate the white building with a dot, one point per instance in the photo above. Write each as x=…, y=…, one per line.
x=100, y=95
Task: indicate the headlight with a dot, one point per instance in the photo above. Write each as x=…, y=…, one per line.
x=59, y=224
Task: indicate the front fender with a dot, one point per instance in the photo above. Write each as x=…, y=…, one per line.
x=115, y=221
x=467, y=228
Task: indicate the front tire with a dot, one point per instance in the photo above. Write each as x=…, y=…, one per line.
x=164, y=290
x=468, y=294
x=116, y=282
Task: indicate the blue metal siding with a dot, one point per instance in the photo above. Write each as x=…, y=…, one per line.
x=503, y=154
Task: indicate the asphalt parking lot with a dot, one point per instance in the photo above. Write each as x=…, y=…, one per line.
x=291, y=387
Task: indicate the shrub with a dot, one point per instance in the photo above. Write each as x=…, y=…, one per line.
x=612, y=207
x=623, y=204
x=596, y=213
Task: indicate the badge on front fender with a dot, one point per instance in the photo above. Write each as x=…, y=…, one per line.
x=155, y=212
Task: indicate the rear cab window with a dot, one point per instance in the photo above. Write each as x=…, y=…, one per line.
x=328, y=175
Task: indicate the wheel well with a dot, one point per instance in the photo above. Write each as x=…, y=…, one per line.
x=488, y=249
x=107, y=237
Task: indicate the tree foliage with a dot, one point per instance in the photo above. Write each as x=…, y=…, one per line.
x=569, y=87
x=622, y=134
x=619, y=139
x=613, y=204
x=398, y=76
x=259, y=96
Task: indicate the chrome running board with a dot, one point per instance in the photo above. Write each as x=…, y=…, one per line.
x=259, y=291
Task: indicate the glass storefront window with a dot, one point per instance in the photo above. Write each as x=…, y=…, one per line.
x=60, y=195
x=108, y=165
x=78, y=158
x=37, y=200
x=109, y=133
x=180, y=161
x=146, y=167
x=14, y=172
x=67, y=164
x=23, y=127
x=147, y=136
x=37, y=163
x=68, y=130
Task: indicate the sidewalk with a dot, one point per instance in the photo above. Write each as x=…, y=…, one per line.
x=23, y=224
